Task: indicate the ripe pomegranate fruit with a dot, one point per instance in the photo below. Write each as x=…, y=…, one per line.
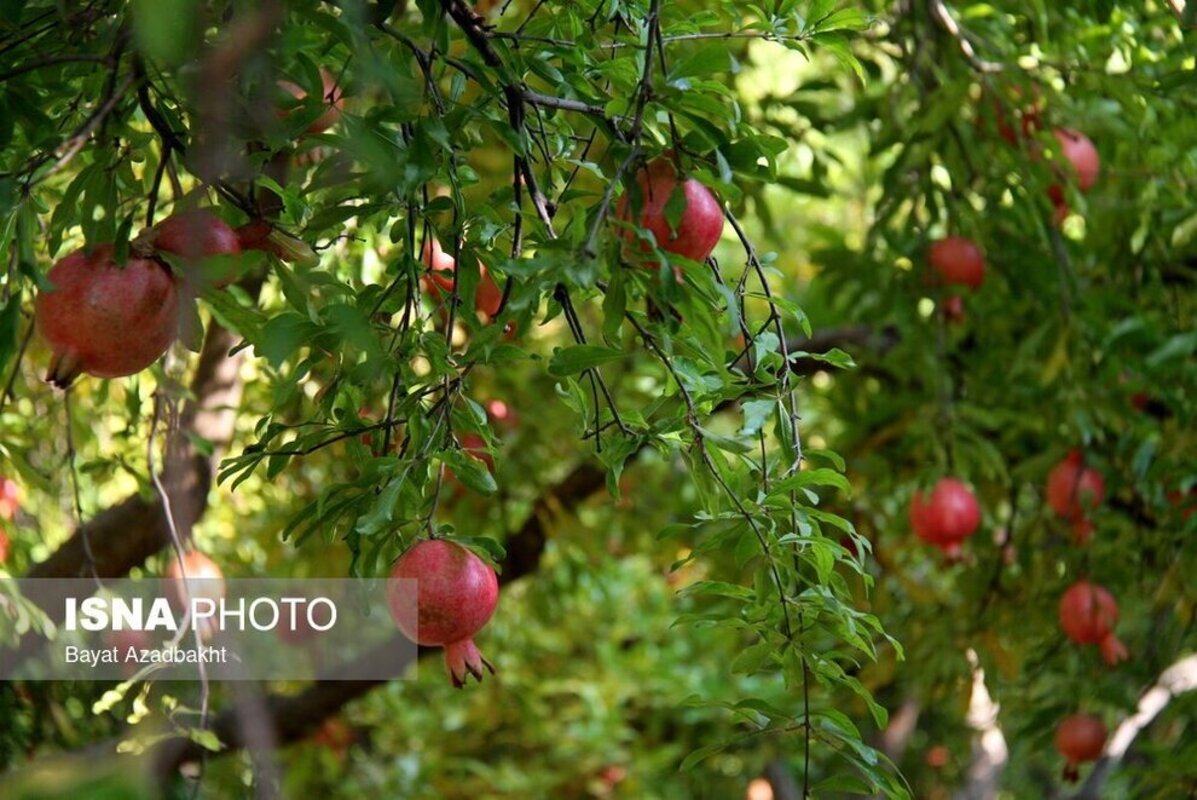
x=1073, y=489
x=1088, y=614
x=5, y=544
x=10, y=498
x=199, y=575
x=455, y=594
x=1078, y=150
x=958, y=261
x=502, y=413
x=701, y=223
x=1079, y=738
x=948, y=516
x=938, y=756
x=333, y=98
x=195, y=235
x=106, y=320
x=438, y=279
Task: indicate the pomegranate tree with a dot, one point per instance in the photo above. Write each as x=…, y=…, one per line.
x=106, y=319
x=455, y=595
x=1080, y=738
x=958, y=261
x=333, y=98
x=701, y=223
x=1073, y=490
x=946, y=517
x=1088, y=614
x=438, y=280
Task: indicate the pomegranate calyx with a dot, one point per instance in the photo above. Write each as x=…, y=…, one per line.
x=1113, y=650
x=463, y=659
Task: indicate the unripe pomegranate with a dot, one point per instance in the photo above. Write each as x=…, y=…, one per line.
x=1088, y=614
x=333, y=98
x=1080, y=738
x=948, y=516
x=438, y=279
x=1073, y=489
x=701, y=224
x=10, y=498
x=104, y=319
x=199, y=576
x=455, y=595
x=958, y=261
x=1079, y=151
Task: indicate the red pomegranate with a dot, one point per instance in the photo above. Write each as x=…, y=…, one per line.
x=1079, y=151
x=5, y=544
x=201, y=576
x=455, y=594
x=195, y=235
x=948, y=516
x=333, y=98
x=104, y=319
x=701, y=223
x=438, y=279
x=1073, y=489
x=502, y=413
x=953, y=309
x=1080, y=738
x=958, y=261
x=938, y=756
x=10, y=498
x=1088, y=614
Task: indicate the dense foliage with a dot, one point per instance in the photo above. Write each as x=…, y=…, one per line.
x=457, y=286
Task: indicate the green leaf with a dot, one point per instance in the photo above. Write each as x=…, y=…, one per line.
x=568, y=361
x=471, y=471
